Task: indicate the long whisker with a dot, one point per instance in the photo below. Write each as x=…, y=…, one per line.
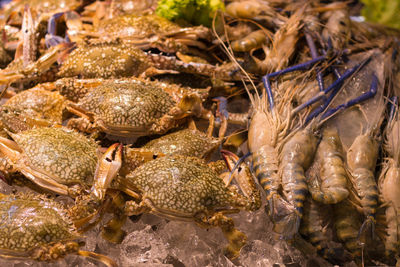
x=232, y=57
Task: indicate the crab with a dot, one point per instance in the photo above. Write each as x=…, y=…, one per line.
x=39, y=228
x=185, y=188
x=136, y=107
x=41, y=7
x=185, y=142
x=101, y=10
x=150, y=30
x=24, y=65
x=42, y=11
x=108, y=60
x=39, y=70
x=56, y=159
x=31, y=108
x=119, y=58
x=43, y=105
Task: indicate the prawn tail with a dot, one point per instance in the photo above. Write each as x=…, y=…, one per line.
x=337, y=256
x=276, y=205
x=286, y=219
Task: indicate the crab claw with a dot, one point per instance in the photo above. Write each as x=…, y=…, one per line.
x=243, y=177
x=107, y=169
x=230, y=159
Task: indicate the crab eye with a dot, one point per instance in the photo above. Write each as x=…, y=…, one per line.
x=108, y=159
x=239, y=169
x=155, y=156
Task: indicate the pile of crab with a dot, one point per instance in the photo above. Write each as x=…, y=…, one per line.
x=121, y=111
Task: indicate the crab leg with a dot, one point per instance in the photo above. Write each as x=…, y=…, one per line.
x=28, y=38
x=87, y=207
x=244, y=178
x=40, y=66
x=98, y=257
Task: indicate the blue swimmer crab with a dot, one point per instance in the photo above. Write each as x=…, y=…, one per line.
x=150, y=30
x=57, y=159
x=185, y=188
x=135, y=107
x=39, y=228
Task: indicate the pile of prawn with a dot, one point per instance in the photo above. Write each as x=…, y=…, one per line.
x=329, y=165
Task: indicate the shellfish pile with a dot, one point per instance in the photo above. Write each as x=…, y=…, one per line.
x=127, y=139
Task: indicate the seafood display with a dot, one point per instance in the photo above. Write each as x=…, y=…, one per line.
x=146, y=132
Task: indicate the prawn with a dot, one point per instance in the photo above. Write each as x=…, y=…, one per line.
x=298, y=151
x=389, y=187
x=362, y=147
x=312, y=229
x=296, y=156
x=266, y=131
x=347, y=223
x=389, y=179
x=285, y=39
x=258, y=10
x=269, y=124
x=332, y=175
x=252, y=41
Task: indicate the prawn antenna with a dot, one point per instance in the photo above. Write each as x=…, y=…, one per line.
x=231, y=56
x=241, y=159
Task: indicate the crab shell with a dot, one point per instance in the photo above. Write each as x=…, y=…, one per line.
x=152, y=30
x=182, y=187
x=186, y=142
x=137, y=107
x=137, y=26
x=28, y=222
x=32, y=107
x=105, y=60
x=38, y=228
x=55, y=154
x=187, y=189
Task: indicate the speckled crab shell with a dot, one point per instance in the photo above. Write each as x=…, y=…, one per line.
x=182, y=185
x=133, y=105
x=150, y=30
x=66, y=156
x=137, y=26
x=28, y=222
x=186, y=142
x=32, y=107
x=105, y=60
